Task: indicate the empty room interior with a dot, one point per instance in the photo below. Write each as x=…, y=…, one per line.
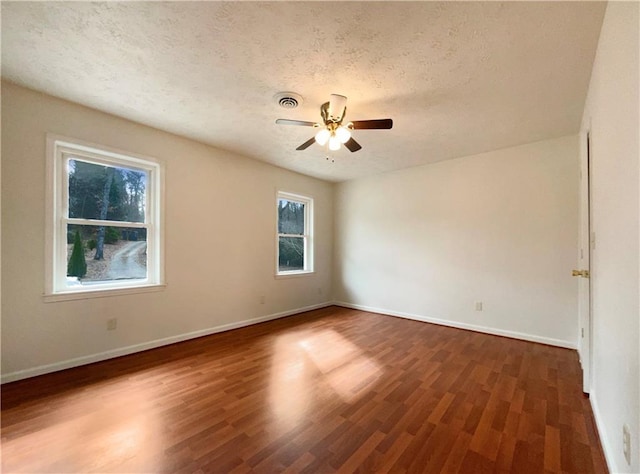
x=320, y=237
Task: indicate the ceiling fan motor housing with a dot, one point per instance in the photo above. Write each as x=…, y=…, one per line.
x=337, y=107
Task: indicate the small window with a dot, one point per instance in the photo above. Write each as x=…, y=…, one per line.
x=294, y=244
x=104, y=220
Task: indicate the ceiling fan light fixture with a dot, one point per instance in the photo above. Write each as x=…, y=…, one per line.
x=334, y=143
x=323, y=136
x=343, y=134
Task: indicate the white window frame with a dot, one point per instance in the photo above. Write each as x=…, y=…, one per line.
x=307, y=236
x=59, y=151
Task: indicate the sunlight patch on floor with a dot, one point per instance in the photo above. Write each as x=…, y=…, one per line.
x=88, y=437
x=344, y=365
x=307, y=363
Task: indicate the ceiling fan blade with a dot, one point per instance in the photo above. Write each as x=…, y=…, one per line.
x=352, y=145
x=307, y=144
x=295, y=122
x=379, y=124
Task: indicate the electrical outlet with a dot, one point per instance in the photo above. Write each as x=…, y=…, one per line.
x=320, y=291
x=112, y=324
x=263, y=299
x=478, y=305
x=626, y=443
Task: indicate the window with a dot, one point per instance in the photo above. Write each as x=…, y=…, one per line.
x=103, y=220
x=294, y=245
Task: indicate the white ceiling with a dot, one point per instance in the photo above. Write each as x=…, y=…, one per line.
x=456, y=78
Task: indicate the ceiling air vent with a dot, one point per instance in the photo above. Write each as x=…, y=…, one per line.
x=288, y=100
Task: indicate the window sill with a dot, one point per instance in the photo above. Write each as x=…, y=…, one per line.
x=101, y=293
x=293, y=274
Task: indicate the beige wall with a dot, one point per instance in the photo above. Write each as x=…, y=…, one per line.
x=612, y=116
x=220, y=242
x=498, y=227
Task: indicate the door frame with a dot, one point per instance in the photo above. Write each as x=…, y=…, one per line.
x=586, y=246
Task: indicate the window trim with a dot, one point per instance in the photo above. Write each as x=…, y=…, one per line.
x=307, y=236
x=56, y=201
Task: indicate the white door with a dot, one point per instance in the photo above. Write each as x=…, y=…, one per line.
x=587, y=241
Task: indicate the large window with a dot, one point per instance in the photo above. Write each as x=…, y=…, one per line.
x=295, y=244
x=104, y=219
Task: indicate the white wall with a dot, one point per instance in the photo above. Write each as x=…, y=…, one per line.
x=611, y=113
x=498, y=227
x=220, y=241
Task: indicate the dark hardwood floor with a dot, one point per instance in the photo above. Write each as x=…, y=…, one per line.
x=324, y=391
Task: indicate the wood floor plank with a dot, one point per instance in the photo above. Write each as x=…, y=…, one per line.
x=552, y=449
x=331, y=390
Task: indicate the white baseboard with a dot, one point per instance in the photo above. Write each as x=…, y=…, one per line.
x=604, y=439
x=455, y=324
x=84, y=360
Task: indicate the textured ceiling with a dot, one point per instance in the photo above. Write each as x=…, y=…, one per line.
x=457, y=78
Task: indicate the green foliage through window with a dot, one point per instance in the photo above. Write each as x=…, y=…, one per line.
x=77, y=266
x=90, y=183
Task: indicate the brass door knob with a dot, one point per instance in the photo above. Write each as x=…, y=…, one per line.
x=581, y=273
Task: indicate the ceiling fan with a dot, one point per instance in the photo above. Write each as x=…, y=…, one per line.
x=333, y=129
